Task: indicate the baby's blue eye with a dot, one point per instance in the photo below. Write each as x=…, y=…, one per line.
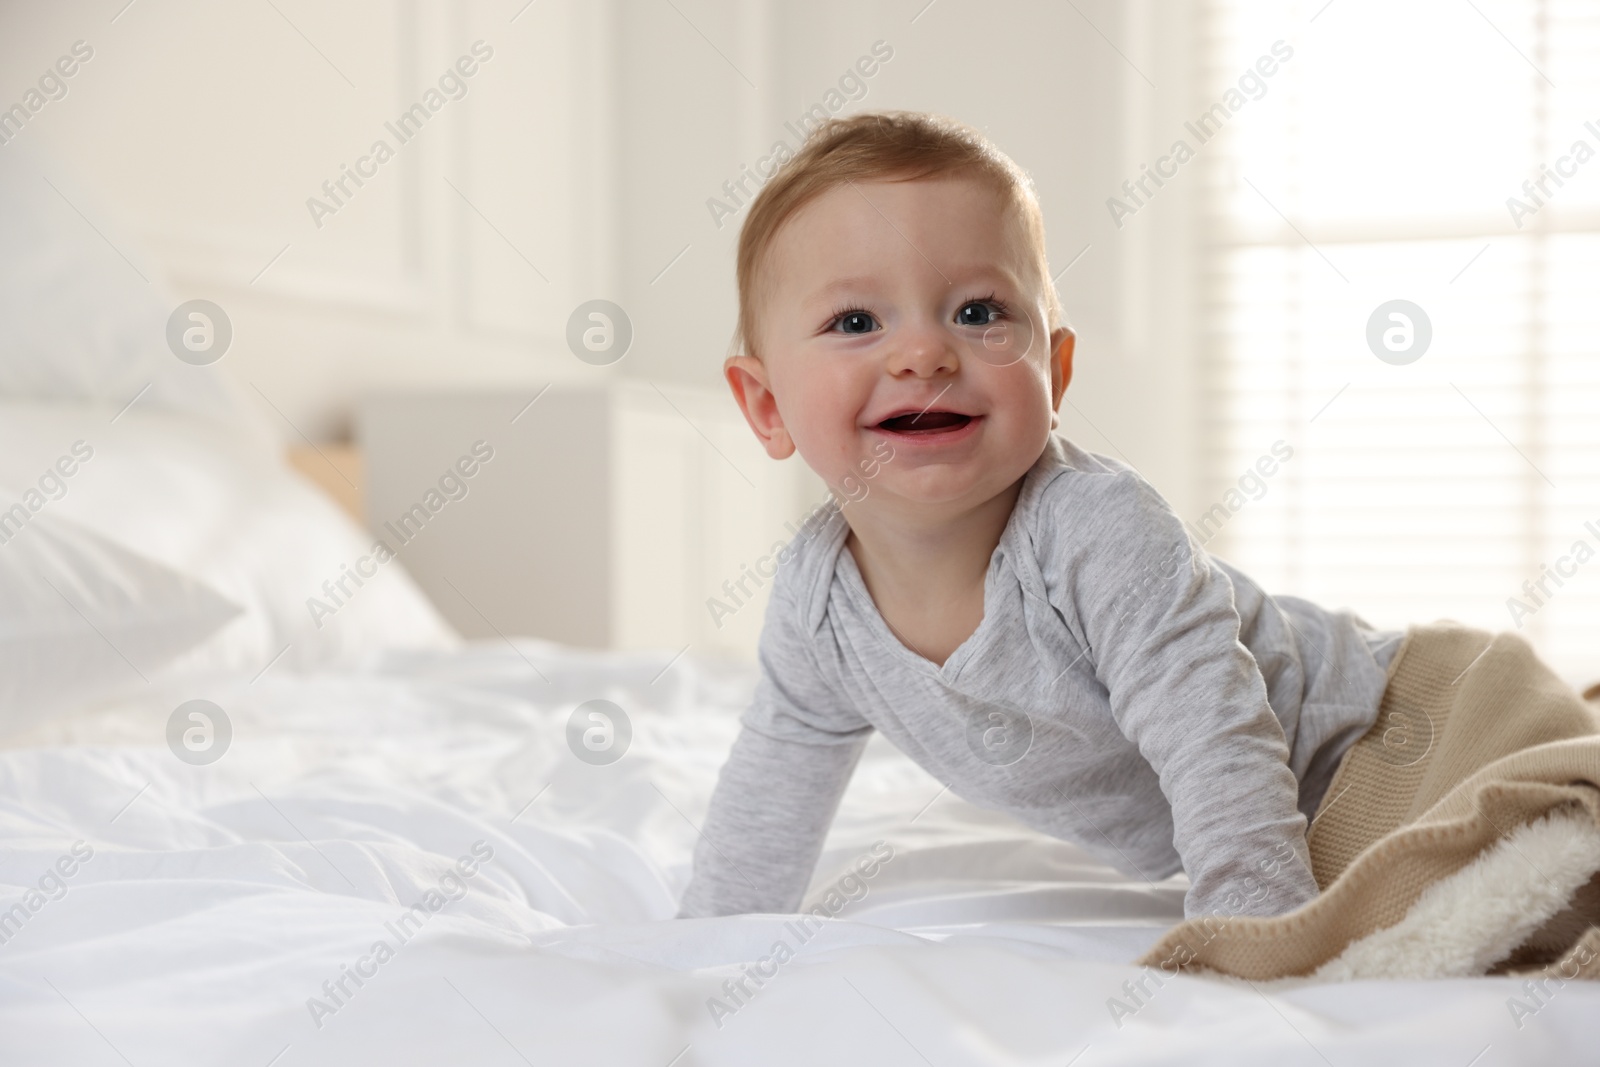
x=856, y=322
x=977, y=313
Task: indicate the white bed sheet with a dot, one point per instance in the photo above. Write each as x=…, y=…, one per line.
x=219, y=899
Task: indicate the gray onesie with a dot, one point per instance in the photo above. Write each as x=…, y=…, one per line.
x=1124, y=691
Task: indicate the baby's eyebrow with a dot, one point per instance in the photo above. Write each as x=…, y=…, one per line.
x=868, y=285
x=983, y=272
x=852, y=286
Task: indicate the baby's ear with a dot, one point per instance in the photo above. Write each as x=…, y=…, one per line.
x=752, y=390
x=1063, y=342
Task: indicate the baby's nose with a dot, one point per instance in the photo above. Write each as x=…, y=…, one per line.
x=923, y=351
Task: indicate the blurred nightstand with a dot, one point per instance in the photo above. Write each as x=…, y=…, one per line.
x=336, y=470
x=604, y=516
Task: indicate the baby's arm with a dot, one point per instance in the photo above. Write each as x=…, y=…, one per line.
x=769, y=816
x=1163, y=633
x=781, y=784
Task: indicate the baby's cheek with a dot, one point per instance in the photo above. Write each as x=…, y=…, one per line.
x=827, y=449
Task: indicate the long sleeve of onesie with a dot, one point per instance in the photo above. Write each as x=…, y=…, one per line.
x=1162, y=703
x=1159, y=621
x=780, y=787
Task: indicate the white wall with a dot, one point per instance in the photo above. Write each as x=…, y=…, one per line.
x=1037, y=77
x=588, y=147
x=202, y=130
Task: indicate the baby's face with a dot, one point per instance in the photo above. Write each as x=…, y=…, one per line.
x=906, y=320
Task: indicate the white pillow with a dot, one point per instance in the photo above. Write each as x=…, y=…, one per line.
x=77, y=321
x=80, y=615
x=191, y=495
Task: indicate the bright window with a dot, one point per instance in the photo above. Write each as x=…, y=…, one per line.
x=1375, y=166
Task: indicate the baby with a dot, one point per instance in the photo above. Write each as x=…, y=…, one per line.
x=1028, y=621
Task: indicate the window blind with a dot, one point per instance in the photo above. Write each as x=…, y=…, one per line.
x=1386, y=160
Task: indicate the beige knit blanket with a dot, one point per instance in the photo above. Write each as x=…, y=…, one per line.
x=1460, y=836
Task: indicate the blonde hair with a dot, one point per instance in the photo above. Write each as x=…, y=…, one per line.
x=881, y=146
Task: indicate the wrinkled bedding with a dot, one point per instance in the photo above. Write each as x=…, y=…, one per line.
x=232, y=912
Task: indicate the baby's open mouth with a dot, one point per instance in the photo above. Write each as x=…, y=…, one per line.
x=925, y=422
